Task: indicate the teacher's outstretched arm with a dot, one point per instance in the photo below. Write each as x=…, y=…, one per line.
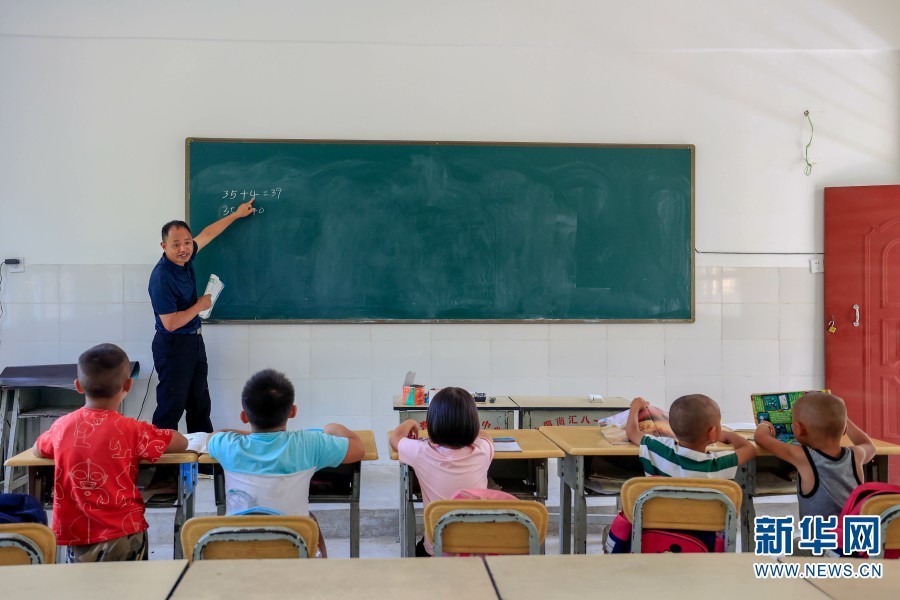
x=211, y=231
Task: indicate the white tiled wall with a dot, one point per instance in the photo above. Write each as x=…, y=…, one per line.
x=756, y=329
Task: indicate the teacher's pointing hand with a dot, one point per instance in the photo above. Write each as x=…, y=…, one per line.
x=245, y=209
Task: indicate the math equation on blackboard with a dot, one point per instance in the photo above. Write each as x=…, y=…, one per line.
x=246, y=195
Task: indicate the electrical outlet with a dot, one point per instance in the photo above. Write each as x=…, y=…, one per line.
x=817, y=265
x=15, y=265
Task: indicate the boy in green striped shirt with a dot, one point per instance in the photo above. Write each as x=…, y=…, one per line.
x=696, y=422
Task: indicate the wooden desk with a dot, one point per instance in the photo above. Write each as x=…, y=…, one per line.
x=499, y=414
x=669, y=576
x=343, y=484
x=445, y=579
x=29, y=394
x=40, y=484
x=581, y=442
x=886, y=587
x=522, y=474
x=537, y=411
x=139, y=580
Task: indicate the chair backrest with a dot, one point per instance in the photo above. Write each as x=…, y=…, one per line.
x=249, y=536
x=486, y=526
x=688, y=503
x=27, y=543
x=888, y=507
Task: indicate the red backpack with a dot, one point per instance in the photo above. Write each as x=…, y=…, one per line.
x=854, y=504
x=656, y=541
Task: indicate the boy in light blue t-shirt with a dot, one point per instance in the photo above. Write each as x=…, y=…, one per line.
x=270, y=467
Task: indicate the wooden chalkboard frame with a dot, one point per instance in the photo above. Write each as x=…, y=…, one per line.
x=690, y=147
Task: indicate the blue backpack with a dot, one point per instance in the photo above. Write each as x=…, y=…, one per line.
x=21, y=508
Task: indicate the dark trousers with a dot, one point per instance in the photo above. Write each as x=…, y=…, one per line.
x=181, y=364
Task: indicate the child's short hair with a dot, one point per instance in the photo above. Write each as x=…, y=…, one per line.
x=172, y=225
x=267, y=399
x=822, y=413
x=453, y=418
x=691, y=417
x=103, y=371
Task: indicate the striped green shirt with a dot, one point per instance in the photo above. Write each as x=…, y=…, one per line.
x=664, y=456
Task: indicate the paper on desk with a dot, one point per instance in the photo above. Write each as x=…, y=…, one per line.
x=197, y=442
x=512, y=446
x=741, y=426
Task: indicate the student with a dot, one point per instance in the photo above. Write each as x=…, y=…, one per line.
x=828, y=472
x=98, y=511
x=696, y=422
x=454, y=457
x=270, y=467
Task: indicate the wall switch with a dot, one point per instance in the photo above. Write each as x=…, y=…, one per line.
x=817, y=265
x=15, y=265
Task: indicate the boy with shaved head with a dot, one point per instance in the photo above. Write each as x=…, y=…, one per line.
x=98, y=512
x=828, y=471
x=696, y=422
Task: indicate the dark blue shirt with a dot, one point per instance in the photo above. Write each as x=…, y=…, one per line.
x=172, y=289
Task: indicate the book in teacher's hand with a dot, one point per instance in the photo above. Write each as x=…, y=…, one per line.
x=651, y=420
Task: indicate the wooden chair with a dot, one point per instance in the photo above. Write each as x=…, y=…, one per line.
x=688, y=503
x=27, y=543
x=249, y=536
x=888, y=506
x=486, y=526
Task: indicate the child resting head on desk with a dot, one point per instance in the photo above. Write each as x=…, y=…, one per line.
x=98, y=512
x=456, y=455
x=828, y=472
x=696, y=422
x=270, y=467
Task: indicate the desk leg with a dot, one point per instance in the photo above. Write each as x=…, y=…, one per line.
x=406, y=507
x=566, y=468
x=580, y=544
x=11, y=444
x=354, y=512
x=179, y=516
x=746, y=478
x=219, y=488
x=4, y=405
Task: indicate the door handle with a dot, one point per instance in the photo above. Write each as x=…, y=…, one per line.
x=856, y=308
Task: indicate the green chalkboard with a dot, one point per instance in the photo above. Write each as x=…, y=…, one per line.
x=445, y=231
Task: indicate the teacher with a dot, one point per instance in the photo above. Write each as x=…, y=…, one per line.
x=178, y=351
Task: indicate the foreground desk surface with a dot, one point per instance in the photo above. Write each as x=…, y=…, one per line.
x=142, y=580
x=450, y=579
x=659, y=576
x=885, y=588
x=26, y=458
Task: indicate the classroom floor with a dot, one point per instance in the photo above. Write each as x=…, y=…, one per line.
x=379, y=517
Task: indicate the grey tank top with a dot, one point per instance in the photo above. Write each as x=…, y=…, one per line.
x=834, y=479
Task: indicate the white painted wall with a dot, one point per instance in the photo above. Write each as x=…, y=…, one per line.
x=98, y=98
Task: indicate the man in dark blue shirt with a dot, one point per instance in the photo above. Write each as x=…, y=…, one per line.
x=178, y=350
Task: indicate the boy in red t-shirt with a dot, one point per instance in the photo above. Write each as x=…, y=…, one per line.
x=98, y=511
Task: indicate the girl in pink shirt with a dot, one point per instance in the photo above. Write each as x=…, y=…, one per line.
x=455, y=456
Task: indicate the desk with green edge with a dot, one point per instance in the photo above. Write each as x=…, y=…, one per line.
x=276, y=578
x=538, y=411
x=40, y=484
x=579, y=443
x=644, y=576
x=522, y=474
x=499, y=414
x=336, y=485
x=137, y=580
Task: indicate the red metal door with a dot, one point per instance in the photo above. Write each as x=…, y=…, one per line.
x=862, y=297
